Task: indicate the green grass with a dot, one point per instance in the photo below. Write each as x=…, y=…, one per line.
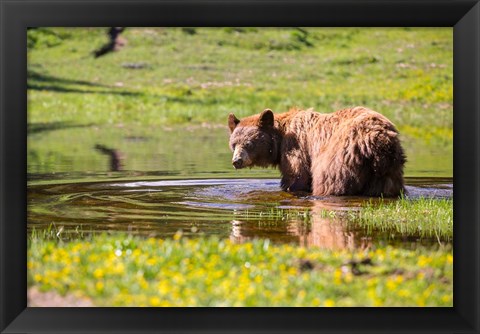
x=404, y=73
x=424, y=217
x=274, y=214
x=132, y=271
x=430, y=218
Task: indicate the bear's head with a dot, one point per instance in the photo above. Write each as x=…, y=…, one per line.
x=254, y=140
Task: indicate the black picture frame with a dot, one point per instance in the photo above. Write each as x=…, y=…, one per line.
x=17, y=15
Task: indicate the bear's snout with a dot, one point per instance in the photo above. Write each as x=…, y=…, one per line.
x=237, y=163
x=241, y=158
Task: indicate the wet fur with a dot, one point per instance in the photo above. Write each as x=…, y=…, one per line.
x=353, y=151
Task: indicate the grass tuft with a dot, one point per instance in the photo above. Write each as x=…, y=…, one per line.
x=424, y=217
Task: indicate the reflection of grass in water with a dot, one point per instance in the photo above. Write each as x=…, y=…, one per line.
x=131, y=271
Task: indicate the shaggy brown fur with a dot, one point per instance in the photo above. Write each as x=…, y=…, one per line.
x=350, y=152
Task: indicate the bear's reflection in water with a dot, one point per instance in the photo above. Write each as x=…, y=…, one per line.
x=320, y=231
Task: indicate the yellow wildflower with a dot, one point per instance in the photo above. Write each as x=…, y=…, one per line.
x=329, y=303
x=446, y=298
x=98, y=273
x=155, y=301
x=391, y=284
x=423, y=261
x=337, y=276
x=163, y=287
x=99, y=286
x=292, y=271
x=177, y=235
x=151, y=261
x=348, y=277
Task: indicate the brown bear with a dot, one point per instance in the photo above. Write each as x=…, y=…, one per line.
x=352, y=151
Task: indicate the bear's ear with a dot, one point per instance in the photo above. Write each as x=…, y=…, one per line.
x=232, y=122
x=266, y=119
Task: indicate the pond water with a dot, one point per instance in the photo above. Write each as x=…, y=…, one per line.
x=84, y=179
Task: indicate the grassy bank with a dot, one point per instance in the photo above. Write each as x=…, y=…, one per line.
x=423, y=217
x=130, y=271
x=174, y=75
